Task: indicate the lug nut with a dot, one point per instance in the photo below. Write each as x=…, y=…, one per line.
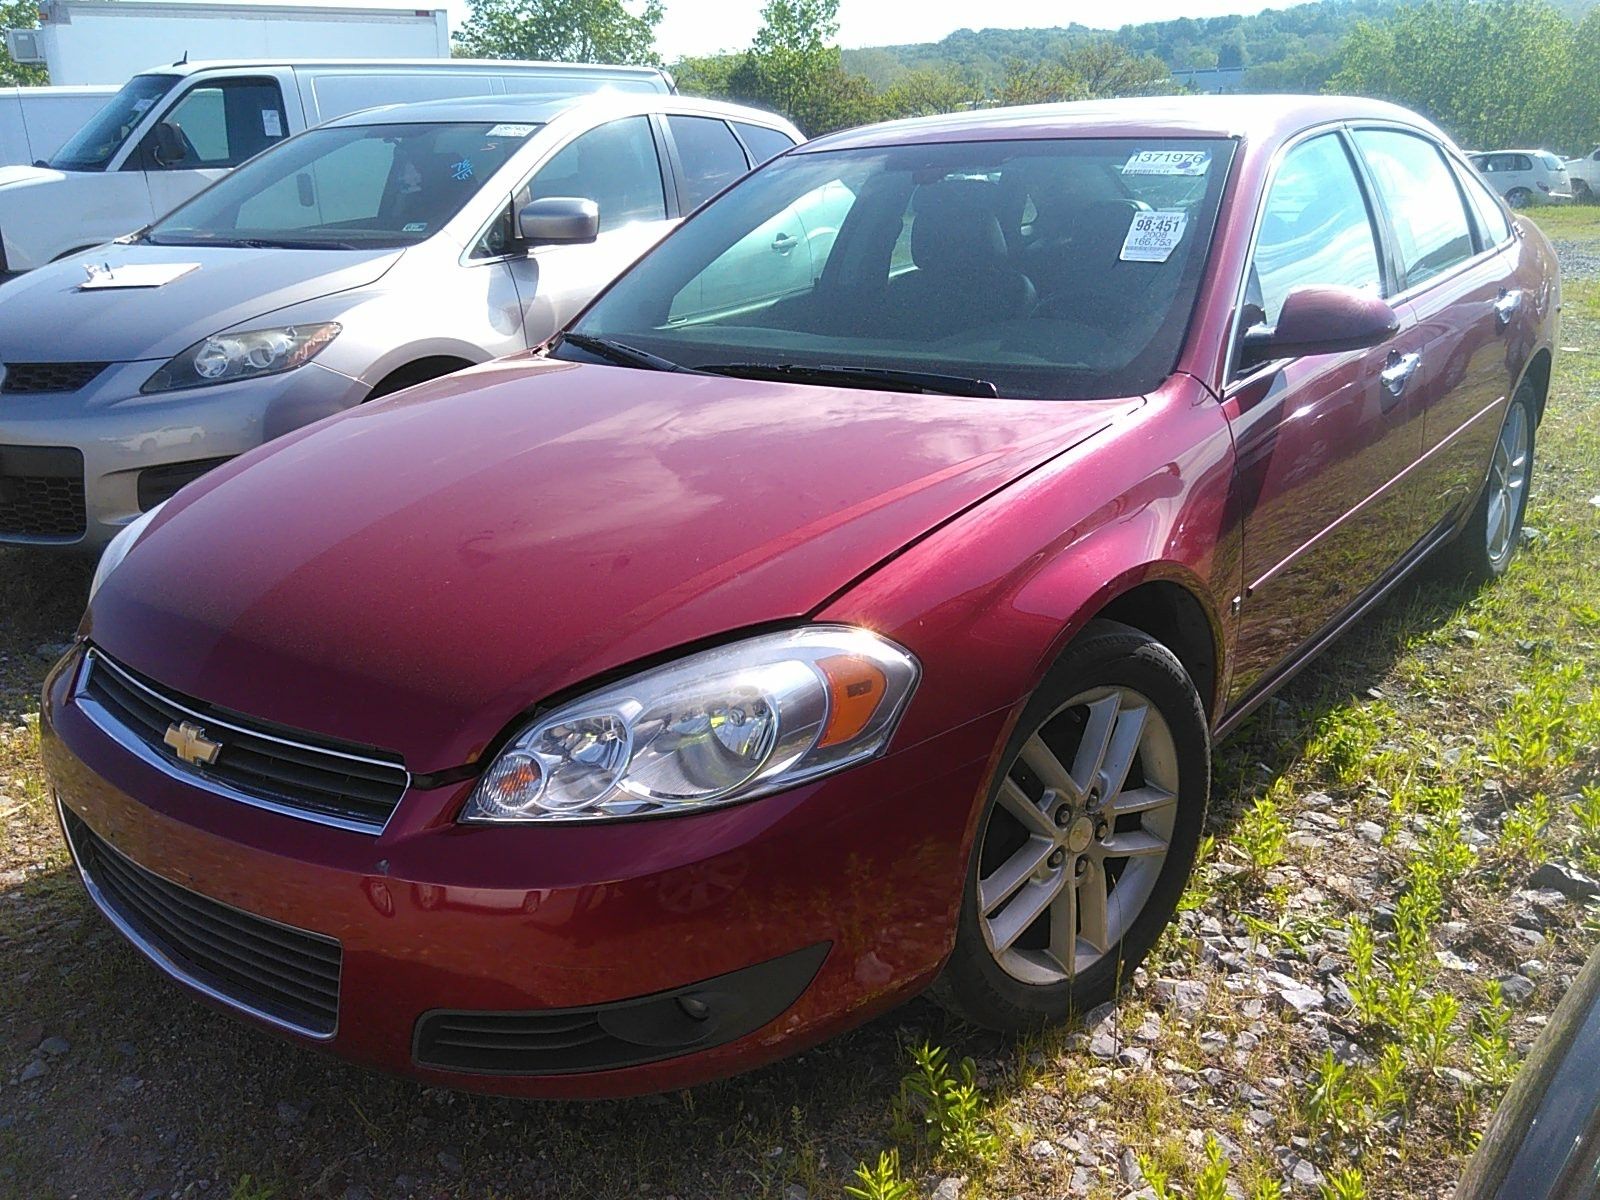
x=1059, y=857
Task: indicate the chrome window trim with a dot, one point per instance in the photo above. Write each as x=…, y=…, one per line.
x=114, y=729
x=172, y=969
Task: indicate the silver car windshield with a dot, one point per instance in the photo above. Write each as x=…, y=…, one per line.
x=1059, y=268
x=347, y=187
x=97, y=142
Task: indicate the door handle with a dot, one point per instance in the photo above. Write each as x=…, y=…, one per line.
x=1398, y=373
x=1506, y=305
x=784, y=243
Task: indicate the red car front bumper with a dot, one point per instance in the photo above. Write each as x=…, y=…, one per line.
x=525, y=941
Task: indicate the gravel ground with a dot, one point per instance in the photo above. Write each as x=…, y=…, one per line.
x=1579, y=260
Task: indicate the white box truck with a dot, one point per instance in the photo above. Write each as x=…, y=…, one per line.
x=171, y=131
x=34, y=121
x=105, y=41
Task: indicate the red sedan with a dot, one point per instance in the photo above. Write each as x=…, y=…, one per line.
x=779, y=644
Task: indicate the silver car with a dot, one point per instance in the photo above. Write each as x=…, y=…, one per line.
x=356, y=259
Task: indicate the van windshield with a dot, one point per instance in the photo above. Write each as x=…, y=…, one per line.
x=350, y=187
x=94, y=146
x=1061, y=269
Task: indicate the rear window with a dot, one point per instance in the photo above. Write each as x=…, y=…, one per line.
x=1058, y=269
x=1551, y=161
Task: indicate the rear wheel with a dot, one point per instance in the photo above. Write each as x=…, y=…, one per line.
x=1087, y=838
x=1518, y=197
x=1485, y=547
x=1581, y=192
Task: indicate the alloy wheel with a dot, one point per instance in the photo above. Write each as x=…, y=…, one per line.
x=1074, y=845
x=1508, y=485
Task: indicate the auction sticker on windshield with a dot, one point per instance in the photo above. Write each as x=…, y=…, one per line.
x=1168, y=162
x=1153, y=236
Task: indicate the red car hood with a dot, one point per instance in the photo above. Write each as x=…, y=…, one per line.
x=414, y=574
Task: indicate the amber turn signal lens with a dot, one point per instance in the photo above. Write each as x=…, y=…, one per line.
x=856, y=687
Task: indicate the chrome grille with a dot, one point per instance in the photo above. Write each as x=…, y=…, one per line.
x=298, y=774
x=289, y=976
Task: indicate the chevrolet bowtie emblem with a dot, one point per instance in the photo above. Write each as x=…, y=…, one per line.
x=190, y=743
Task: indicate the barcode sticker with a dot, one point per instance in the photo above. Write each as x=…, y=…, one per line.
x=1168, y=162
x=1153, y=236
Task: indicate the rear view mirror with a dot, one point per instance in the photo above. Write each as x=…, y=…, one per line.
x=169, y=146
x=1320, y=319
x=557, y=219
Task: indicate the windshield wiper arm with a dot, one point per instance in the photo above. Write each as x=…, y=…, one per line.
x=885, y=378
x=623, y=354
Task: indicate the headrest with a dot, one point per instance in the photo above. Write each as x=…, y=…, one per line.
x=955, y=227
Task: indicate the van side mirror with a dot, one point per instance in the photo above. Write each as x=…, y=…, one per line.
x=1320, y=319
x=168, y=145
x=558, y=219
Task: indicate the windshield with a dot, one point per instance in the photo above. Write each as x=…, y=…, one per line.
x=347, y=187
x=93, y=146
x=1060, y=269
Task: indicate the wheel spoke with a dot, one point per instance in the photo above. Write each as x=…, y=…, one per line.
x=1093, y=919
x=1042, y=761
x=1064, y=929
x=1012, y=874
x=1141, y=800
x=1007, y=925
x=1122, y=750
x=1016, y=802
x=1098, y=731
x=1133, y=843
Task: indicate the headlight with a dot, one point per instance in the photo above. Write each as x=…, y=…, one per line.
x=224, y=357
x=117, y=548
x=729, y=724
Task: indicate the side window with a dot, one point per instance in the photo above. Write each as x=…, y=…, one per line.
x=712, y=157
x=1419, y=193
x=222, y=124
x=1521, y=162
x=763, y=143
x=1315, y=229
x=615, y=165
x=1491, y=217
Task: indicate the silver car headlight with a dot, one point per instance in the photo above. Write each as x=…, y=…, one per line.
x=117, y=548
x=224, y=357
x=725, y=725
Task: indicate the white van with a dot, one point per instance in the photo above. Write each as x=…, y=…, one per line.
x=171, y=131
x=34, y=121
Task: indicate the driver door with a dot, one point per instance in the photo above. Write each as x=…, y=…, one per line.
x=211, y=128
x=618, y=167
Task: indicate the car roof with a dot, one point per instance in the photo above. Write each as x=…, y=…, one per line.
x=539, y=110
x=505, y=66
x=1253, y=117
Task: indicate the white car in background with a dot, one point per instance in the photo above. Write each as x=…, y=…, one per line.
x=1525, y=177
x=1585, y=176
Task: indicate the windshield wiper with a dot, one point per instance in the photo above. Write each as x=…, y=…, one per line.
x=883, y=378
x=623, y=354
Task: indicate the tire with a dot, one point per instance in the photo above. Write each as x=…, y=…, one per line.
x=1518, y=197
x=1581, y=192
x=1003, y=973
x=1485, y=547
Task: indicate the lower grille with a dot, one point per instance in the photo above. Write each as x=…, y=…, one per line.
x=41, y=492
x=626, y=1033
x=159, y=484
x=286, y=772
x=290, y=976
x=27, y=379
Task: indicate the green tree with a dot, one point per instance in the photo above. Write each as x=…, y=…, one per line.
x=1491, y=72
x=599, y=31
x=19, y=14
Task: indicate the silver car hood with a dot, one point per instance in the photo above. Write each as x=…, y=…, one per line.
x=20, y=175
x=46, y=316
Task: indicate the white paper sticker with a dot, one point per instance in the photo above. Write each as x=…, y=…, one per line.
x=1168, y=162
x=140, y=107
x=415, y=227
x=516, y=131
x=271, y=122
x=1153, y=236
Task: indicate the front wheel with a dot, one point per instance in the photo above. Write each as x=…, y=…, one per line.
x=1087, y=838
x=1485, y=547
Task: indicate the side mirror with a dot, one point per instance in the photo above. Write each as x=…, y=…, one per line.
x=558, y=219
x=168, y=145
x=1320, y=319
